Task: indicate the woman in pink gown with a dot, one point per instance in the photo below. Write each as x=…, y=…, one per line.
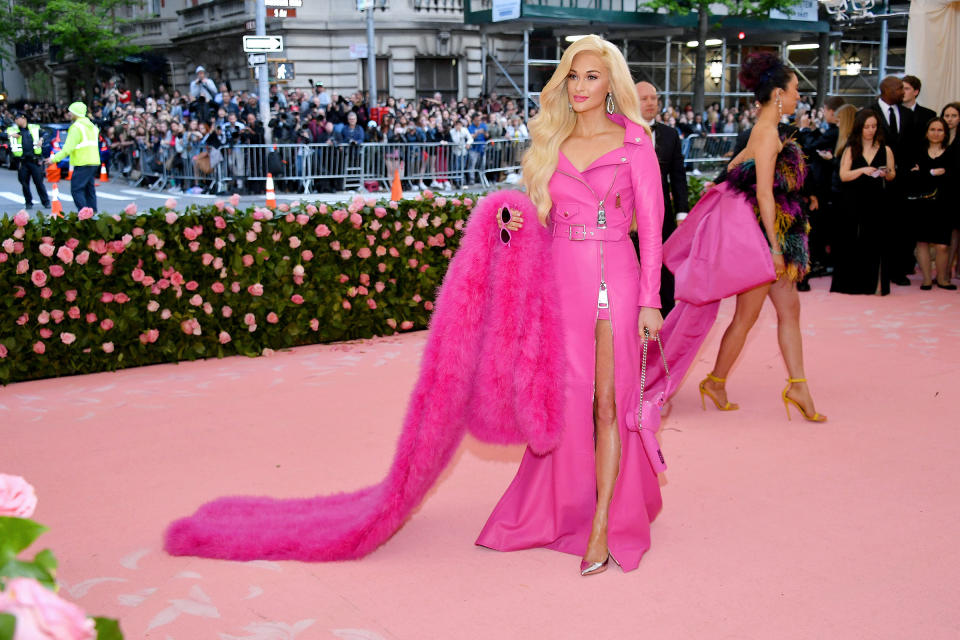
x=592, y=173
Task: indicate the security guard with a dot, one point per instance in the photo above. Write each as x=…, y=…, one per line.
x=25, y=145
x=81, y=146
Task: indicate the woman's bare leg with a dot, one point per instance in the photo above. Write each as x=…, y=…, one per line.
x=923, y=257
x=607, y=439
x=942, y=255
x=749, y=304
x=786, y=301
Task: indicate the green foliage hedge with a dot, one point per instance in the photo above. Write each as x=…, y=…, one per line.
x=84, y=293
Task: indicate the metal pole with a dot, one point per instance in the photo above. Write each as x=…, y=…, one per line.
x=263, y=83
x=483, y=62
x=666, y=89
x=723, y=75
x=371, y=57
x=884, y=41
x=526, y=74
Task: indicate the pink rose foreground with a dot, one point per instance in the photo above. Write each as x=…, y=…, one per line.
x=17, y=497
x=43, y=615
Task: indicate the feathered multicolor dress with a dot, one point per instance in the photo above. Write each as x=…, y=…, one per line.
x=791, y=223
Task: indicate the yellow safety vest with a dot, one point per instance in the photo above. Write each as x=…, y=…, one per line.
x=81, y=144
x=16, y=142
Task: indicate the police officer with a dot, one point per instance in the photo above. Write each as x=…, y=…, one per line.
x=25, y=145
x=81, y=146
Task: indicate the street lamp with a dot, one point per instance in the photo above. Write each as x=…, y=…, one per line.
x=716, y=68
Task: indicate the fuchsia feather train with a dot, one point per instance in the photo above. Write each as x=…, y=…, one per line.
x=490, y=325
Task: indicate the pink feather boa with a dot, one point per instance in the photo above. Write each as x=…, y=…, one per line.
x=493, y=365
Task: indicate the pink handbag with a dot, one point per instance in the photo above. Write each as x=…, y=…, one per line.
x=651, y=409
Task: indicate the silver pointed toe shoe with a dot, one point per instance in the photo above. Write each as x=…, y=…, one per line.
x=593, y=568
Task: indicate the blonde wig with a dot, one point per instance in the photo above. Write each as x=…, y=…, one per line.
x=845, y=117
x=555, y=121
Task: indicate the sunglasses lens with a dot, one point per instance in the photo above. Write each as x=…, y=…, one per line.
x=504, y=215
x=504, y=236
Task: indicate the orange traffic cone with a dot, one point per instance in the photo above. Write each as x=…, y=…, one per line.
x=396, y=191
x=271, y=196
x=56, y=207
x=70, y=173
x=103, y=174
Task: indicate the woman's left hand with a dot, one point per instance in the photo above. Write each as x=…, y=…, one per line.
x=651, y=320
x=516, y=220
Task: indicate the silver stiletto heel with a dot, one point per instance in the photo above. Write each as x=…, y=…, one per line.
x=593, y=568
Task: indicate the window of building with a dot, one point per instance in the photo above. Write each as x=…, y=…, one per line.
x=437, y=75
x=383, y=77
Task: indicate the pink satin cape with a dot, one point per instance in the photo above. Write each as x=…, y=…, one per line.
x=493, y=365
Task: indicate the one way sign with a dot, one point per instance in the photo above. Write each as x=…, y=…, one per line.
x=263, y=44
x=253, y=59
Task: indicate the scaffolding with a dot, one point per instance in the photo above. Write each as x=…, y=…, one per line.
x=847, y=59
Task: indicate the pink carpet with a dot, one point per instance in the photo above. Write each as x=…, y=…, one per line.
x=770, y=528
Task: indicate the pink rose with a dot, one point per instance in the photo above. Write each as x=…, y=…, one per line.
x=176, y=279
x=196, y=300
x=364, y=253
x=170, y=217
x=346, y=304
x=23, y=319
x=39, y=348
x=296, y=298
x=45, y=333
x=345, y=254
x=121, y=298
x=235, y=199
x=356, y=219
x=46, y=293
x=160, y=256
x=294, y=242
x=382, y=267
x=170, y=203
x=218, y=243
x=394, y=252
x=298, y=270
x=73, y=313
x=447, y=253
x=224, y=337
x=302, y=219
x=82, y=257
x=130, y=209
x=416, y=298
x=19, y=292
x=137, y=274
x=18, y=247
x=67, y=338
x=406, y=325
x=194, y=246
x=47, y=249
x=322, y=230
x=57, y=315
x=381, y=251
x=43, y=615
x=107, y=347
x=235, y=287
x=392, y=323
x=427, y=194
x=247, y=260
x=379, y=287
x=56, y=270
x=38, y=277
x=371, y=303
x=428, y=305
x=65, y=254
x=249, y=319
x=72, y=243
x=380, y=212
x=85, y=214
x=418, y=245
x=226, y=311
x=314, y=324
x=165, y=314
x=192, y=285
x=106, y=297
x=283, y=206
x=91, y=317
x=251, y=236
x=207, y=308
x=43, y=317
x=21, y=219
x=17, y=497
x=189, y=233
x=23, y=266
x=106, y=260
x=273, y=318
x=70, y=295
x=339, y=215
x=217, y=287
x=219, y=222
x=311, y=209
x=153, y=306
x=106, y=324
x=4, y=257
x=255, y=289
x=413, y=263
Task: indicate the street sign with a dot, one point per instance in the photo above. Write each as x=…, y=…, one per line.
x=250, y=25
x=253, y=59
x=358, y=50
x=281, y=13
x=263, y=44
x=281, y=71
x=284, y=4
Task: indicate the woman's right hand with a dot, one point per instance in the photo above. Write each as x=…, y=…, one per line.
x=516, y=220
x=779, y=265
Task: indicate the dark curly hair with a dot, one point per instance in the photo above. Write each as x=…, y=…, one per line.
x=762, y=73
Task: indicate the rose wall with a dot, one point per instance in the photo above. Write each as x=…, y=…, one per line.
x=85, y=293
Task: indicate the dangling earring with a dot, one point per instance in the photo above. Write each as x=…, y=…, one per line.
x=779, y=108
x=611, y=107
x=569, y=107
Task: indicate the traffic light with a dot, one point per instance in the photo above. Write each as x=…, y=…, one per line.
x=741, y=35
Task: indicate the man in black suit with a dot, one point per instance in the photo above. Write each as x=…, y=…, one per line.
x=898, y=127
x=921, y=115
x=666, y=142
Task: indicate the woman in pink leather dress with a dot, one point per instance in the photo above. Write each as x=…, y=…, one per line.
x=592, y=173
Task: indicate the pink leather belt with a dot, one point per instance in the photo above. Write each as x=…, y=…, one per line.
x=586, y=232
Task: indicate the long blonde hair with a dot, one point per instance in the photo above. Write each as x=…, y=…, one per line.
x=555, y=121
x=845, y=117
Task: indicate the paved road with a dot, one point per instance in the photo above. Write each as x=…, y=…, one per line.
x=118, y=193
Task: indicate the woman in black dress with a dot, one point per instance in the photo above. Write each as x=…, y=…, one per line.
x=866, y=165
x=951, y=116
x=929, y=180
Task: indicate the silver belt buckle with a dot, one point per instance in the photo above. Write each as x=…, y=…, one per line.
x=582, y=231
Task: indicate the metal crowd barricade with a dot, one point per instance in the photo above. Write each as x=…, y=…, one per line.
x=311, y=168
x=711, y=148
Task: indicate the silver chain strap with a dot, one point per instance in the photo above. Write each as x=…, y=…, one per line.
x=643, y=371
